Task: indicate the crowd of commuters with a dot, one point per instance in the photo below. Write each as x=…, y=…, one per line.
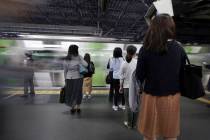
x=157, y=69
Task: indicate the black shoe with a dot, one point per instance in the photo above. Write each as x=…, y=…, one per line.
x=72, y=111
x=24, y=96
x=78, y=110
x=32, y=94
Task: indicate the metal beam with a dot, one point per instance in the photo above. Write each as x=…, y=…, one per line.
x=119, y=18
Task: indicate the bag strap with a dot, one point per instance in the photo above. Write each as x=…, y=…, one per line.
x=188, y=60
x=186, y=57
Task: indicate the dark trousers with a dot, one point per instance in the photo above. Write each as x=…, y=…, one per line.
x=129, y=116
x=117, y=95
x=29, y=83
x=111, y=92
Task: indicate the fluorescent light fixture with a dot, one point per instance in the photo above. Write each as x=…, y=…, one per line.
x=69, y=38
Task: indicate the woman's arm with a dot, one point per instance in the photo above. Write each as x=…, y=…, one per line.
x=108, y=65
x=83, y=62
x=65, y=69
x=111, y=65
x=122, y=74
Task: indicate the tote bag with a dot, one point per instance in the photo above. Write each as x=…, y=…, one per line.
x=191, y=82
x=109, y=77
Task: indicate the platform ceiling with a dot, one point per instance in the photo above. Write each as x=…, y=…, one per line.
x=120, y=19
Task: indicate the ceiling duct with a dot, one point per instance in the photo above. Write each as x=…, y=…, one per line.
x=50, y=29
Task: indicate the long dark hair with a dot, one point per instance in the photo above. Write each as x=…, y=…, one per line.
x=117, y=52
x=73, y=51
x=87, y=58
x=161, y=29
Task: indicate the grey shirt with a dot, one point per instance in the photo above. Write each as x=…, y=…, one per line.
x=71, y=67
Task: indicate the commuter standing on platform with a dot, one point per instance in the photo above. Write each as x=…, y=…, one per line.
x=160, y=65
x=115, y=64
x=73, y=79
x=111, y=88
x=87, y=82
x=126, y=70
x=28, y=75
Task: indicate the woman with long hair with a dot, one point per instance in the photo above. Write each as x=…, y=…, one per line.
x=87, y=82
x=160, y=65
x=115, y=64
x=73, y=78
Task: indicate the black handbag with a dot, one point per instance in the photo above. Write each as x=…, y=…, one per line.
x=62, y=95
x=191, y=82
x=109, y=77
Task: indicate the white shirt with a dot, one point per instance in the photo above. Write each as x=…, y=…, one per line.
x=126, y=71
x=115, y=64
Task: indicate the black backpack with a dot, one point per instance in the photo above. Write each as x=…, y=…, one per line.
x=91, y=68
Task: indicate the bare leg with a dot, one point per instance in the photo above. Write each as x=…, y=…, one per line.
x=77, y=107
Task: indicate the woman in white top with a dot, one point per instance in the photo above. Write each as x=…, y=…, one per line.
x=73, y=78
x=126, y=71
x=115, y=64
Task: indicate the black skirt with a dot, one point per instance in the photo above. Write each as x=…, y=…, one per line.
x=73, y=92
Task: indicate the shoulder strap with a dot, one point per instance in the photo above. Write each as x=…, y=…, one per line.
x=188, y=61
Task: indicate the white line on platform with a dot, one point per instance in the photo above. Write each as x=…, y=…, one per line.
x=7, y=97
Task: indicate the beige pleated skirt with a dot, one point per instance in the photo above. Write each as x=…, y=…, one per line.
x=159, y=116
x=87, y=85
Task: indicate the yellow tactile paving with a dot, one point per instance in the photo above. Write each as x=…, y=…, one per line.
x=54, y=92
x=96, y=92
x=204, y=100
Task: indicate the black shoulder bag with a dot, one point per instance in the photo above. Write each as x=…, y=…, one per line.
x=191, y=82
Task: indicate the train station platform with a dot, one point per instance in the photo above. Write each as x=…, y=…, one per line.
x=43, y=118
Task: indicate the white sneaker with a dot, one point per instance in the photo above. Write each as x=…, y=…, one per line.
x=89, y=96
x=84, y=96
x=115, y=108
x=122, y=107
x=126, y=124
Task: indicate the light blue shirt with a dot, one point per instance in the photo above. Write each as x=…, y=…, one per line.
x=115, y=65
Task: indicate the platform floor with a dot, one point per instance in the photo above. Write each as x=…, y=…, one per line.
x=43, y=118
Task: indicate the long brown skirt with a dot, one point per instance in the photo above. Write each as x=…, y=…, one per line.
x=159, y=116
